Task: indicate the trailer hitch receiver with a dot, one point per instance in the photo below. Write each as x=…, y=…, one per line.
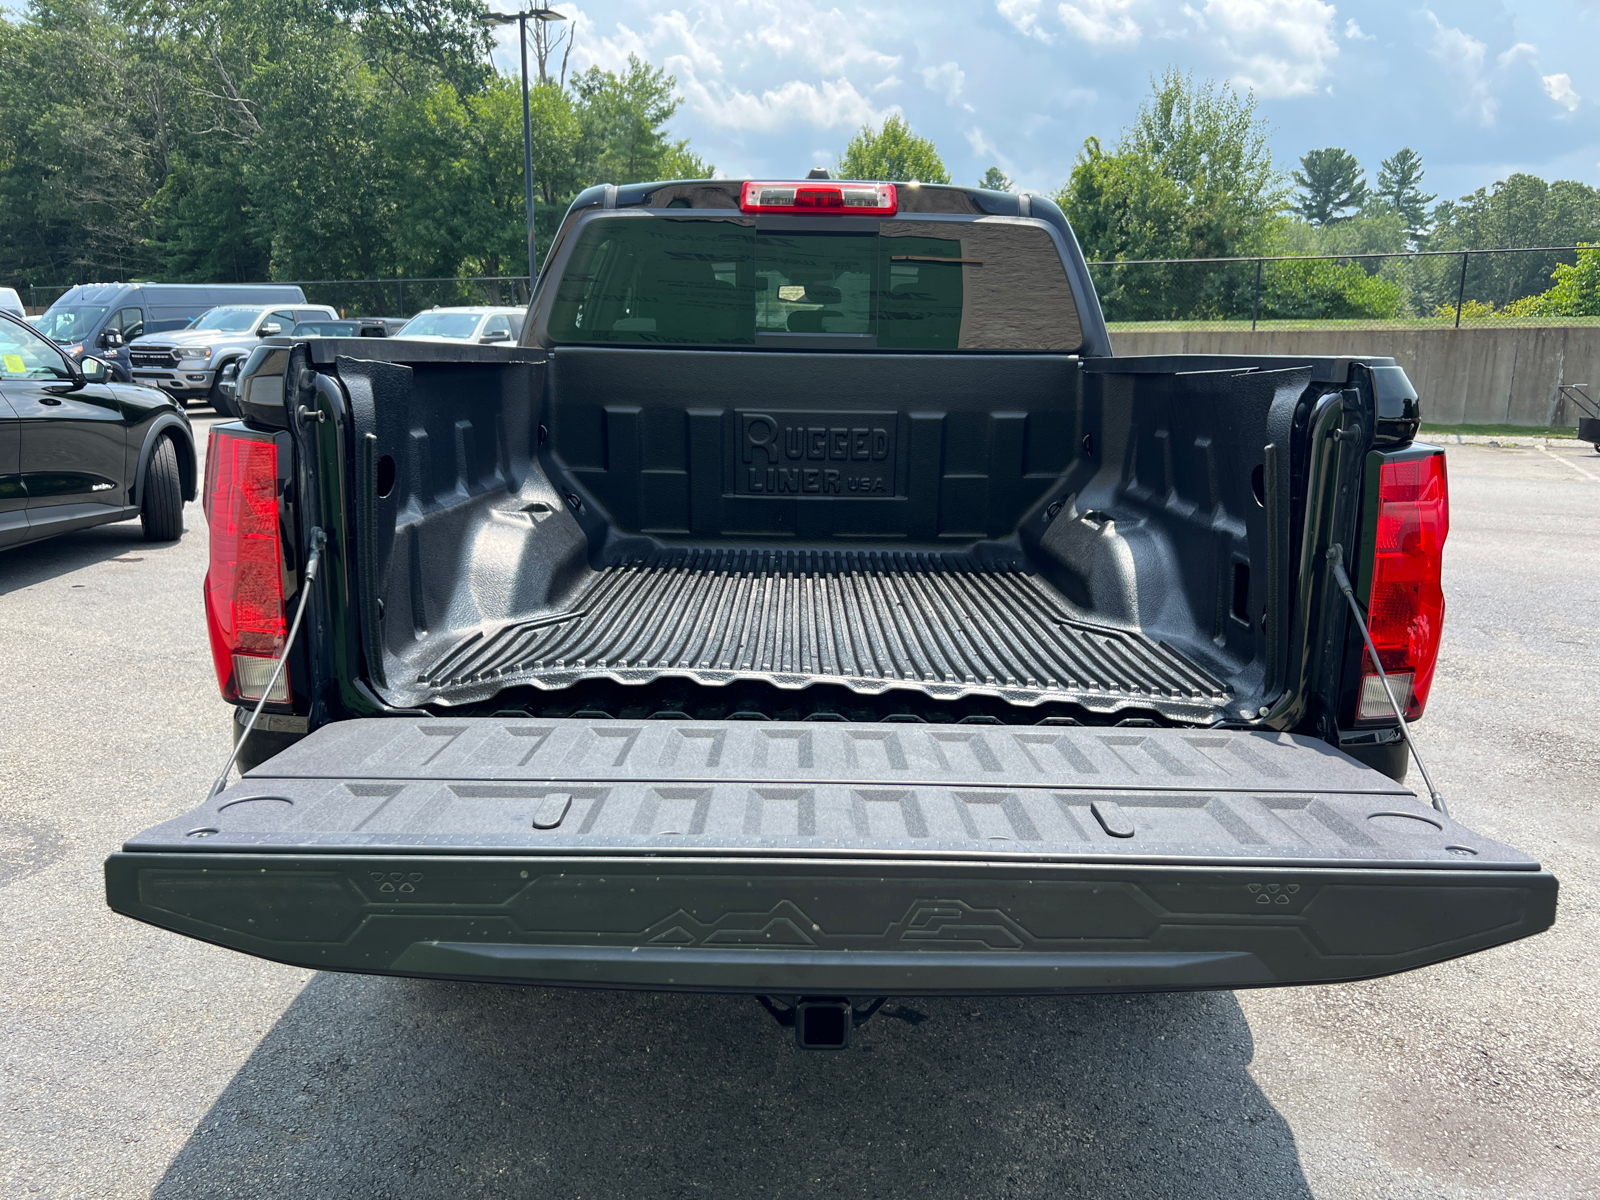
x=820, y=1022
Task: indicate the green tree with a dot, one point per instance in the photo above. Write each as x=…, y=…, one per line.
x=456, y=182
x=996, y=180
x=1521, y=210
x=1376, y=229
x=1576, y=292
x=893, y=154
x=245, y=139
x=1400, y=186
x=1192, y=177
x=77, y=158
x=1332, y=184
x=1325, y=289
x=622, y=118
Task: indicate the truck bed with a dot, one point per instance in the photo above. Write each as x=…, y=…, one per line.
x=827, y=858
x=1032, y=534
x=870, y=620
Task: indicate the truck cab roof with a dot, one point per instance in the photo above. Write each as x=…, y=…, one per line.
x=623, y=284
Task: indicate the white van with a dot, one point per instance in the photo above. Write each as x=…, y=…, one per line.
x=101, y=318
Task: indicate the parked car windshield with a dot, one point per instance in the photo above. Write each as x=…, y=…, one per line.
x=228, y=320
x=70, y=322
x=904, y=285
x=26, y=355
x=441, y=324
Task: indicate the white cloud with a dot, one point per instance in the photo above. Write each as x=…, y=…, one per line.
x=946, y=79
x=1522, y=52
x=1456, y=47
x=694, y=50
x=981, y=145
x=830, y=41
x=1559, y=88
x=1480, y=85
x=1281, y=47
x=1101, y=22
x=833, y=104
x=1024, y=17
x=1353, y=32
x=987, y=152
x=1463, y=55
x=593, y=49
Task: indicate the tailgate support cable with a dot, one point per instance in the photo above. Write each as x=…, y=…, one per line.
x=1336, y=560
x=313, y=561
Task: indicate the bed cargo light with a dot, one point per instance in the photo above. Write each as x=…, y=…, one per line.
x=244, y=581
x=1405, y=611
x=811, y=199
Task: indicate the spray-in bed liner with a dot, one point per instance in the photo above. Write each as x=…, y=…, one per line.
x=871, y=620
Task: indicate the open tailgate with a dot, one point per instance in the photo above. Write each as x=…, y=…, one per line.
x=884, y=859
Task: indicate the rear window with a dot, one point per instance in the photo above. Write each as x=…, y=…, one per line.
x=909, y=285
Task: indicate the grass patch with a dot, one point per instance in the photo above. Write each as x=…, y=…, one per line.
x=1558, y=431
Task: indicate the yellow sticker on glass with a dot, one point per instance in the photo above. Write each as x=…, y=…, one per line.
x=14, y=363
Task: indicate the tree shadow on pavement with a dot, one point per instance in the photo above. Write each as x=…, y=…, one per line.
x=370, y=1087
x=36, y=562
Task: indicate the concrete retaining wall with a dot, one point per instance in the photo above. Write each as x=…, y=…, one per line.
x=1464, y=376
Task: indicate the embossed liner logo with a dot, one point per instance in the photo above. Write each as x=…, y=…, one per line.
x=816, y=454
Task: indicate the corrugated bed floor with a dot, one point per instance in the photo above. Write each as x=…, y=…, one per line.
x=868, y=619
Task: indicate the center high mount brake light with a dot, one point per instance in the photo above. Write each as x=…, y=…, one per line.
x=821, y=199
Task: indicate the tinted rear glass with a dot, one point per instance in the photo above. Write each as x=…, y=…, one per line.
x=910, y=285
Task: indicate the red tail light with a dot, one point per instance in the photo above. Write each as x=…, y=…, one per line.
x=244, y=583
x=855, y=199
x=1405, y=612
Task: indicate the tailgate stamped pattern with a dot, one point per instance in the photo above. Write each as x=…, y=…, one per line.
x=827, y=858
x=580, y=787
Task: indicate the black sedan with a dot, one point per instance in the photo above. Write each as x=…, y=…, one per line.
x=77, y=449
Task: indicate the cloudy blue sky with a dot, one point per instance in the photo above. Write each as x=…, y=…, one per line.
x=1480, y=88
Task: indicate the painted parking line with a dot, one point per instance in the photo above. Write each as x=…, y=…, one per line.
x=1562, y=458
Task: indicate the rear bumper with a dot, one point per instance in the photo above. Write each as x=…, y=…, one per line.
x=828, y=926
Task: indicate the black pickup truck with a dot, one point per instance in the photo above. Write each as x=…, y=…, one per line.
x=811, y=606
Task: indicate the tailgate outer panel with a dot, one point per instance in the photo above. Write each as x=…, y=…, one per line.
x=828, y=858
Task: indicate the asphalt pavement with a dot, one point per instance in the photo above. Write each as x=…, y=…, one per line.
x=137, y=1063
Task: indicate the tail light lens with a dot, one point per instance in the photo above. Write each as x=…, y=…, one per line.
x=810, y=199
x=244, y=581
x=1405, y=612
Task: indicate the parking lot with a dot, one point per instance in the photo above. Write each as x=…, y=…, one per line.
x=139, y=1063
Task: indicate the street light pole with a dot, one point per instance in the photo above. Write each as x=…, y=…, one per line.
x=527, y=153
x=522, y=18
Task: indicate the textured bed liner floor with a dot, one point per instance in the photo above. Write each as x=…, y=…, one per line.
x=871, y=620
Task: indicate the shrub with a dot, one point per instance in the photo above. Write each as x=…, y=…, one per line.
x=1312, y=288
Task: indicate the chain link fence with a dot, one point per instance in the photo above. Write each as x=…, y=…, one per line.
x=1426, y=289
x=369, y=297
